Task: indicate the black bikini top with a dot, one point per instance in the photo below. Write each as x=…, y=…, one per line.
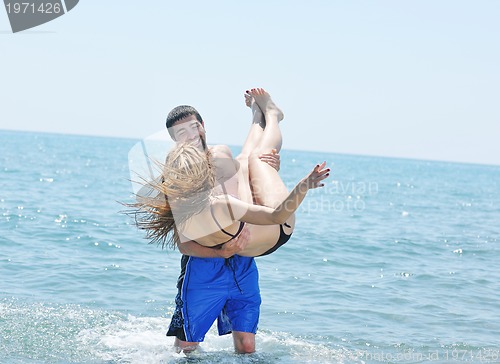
x=242, y=224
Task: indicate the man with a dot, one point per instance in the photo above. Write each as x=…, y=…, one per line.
x=214, y=283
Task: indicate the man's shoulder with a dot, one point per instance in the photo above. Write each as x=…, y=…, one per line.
x=220, y=148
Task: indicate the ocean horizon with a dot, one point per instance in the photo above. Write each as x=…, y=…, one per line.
x=236, y=147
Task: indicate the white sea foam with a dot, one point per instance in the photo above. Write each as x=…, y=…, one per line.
x=142, y=340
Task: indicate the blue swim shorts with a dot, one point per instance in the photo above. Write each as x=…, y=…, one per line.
x=210, y=288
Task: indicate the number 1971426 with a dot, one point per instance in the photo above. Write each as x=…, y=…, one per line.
x=43, y=8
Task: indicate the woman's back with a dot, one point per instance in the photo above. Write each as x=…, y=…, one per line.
x=213, y=226
x=219, y=223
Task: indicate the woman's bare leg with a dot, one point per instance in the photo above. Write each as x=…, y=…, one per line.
x=271, y=137
x=256, y=128
x=267, y=186
x=254, y=136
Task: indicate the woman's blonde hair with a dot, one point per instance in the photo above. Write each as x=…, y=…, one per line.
x=183, y=190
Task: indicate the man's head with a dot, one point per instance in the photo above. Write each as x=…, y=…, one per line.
x=184, y=124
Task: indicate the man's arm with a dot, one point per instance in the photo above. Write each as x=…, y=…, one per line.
x=232, y=247
x=273, y=159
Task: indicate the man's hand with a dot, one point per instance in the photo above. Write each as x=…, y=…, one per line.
x=273, y=159
x=234, y=246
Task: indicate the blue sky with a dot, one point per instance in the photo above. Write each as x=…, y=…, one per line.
x=412, y=79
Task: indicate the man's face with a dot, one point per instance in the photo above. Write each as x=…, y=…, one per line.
x=189, y=130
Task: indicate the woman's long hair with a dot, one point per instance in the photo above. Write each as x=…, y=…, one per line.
x=183, y=190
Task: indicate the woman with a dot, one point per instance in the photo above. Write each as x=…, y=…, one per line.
x=193, y=205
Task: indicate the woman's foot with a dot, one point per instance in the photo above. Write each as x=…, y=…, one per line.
x=265, y=103
x=248, y=99
x=258, y=116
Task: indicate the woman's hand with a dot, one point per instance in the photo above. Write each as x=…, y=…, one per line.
x=318, y=174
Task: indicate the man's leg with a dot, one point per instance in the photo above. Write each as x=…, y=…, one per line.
x=185, y=346
x=176, y=327
x=202, y=295
x=243, y=306
x=244, y=342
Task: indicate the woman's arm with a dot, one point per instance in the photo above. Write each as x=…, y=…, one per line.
x=263, y=215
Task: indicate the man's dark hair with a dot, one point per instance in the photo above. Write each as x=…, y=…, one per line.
x=180, y=112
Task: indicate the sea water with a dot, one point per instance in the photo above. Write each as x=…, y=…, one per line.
x=394, y=260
